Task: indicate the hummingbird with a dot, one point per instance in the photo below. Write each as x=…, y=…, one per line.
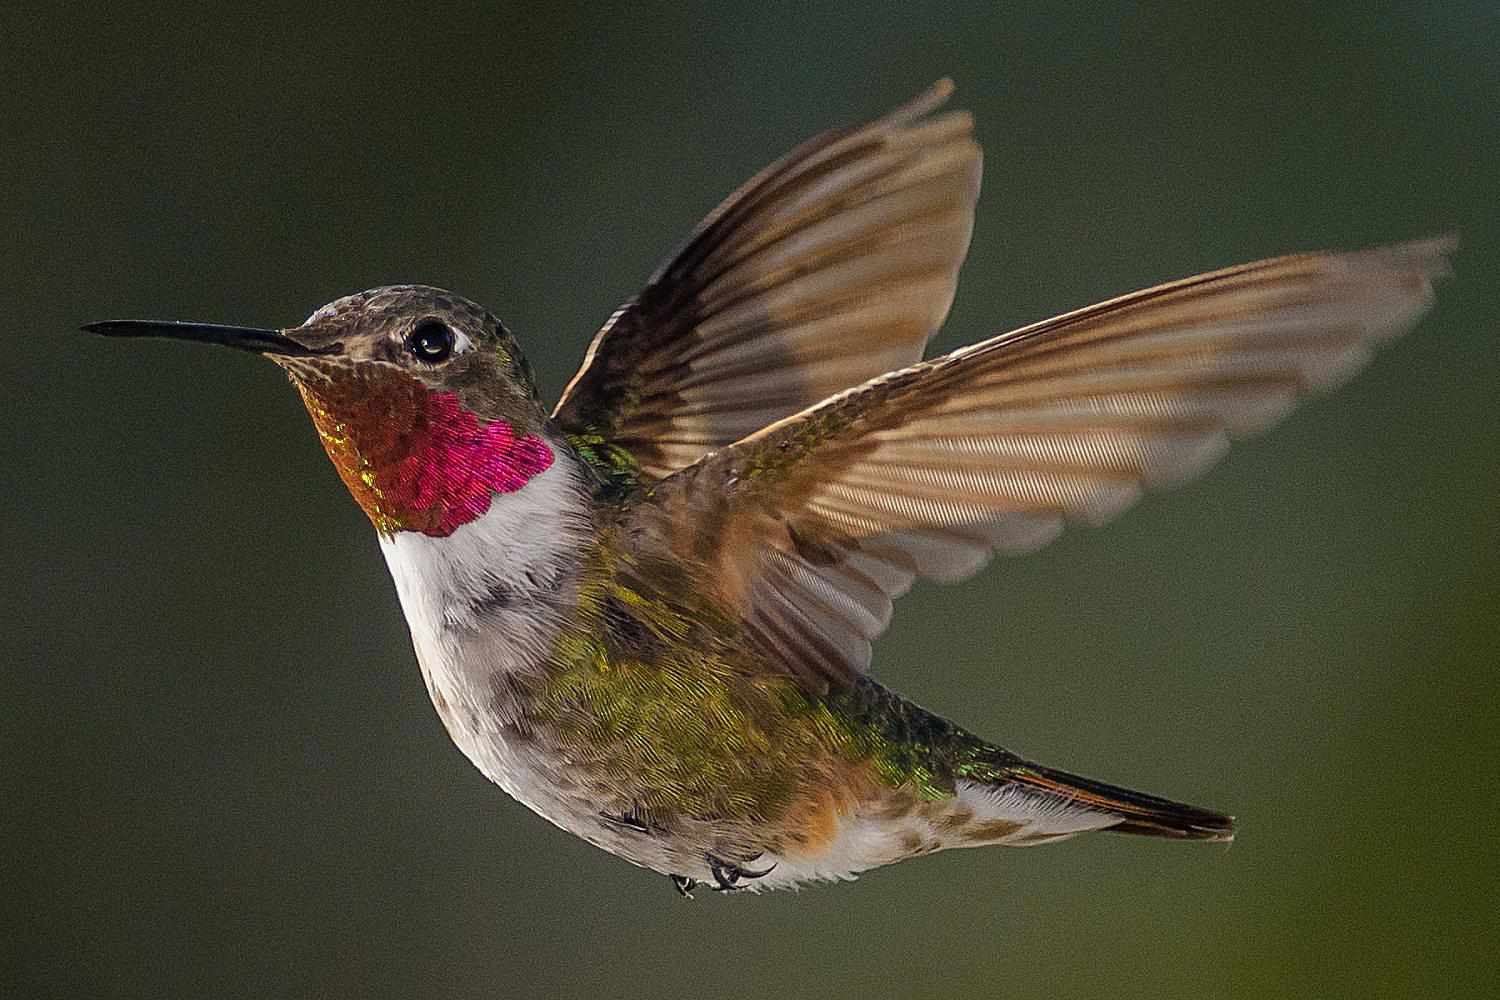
x=647, y=614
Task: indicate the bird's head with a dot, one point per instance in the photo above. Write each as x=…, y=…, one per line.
x=422, y=399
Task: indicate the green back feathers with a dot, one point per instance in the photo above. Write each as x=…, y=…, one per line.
x=615, y=468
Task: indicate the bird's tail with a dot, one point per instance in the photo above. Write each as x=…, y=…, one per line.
x=998, y=797
x=1078, y=803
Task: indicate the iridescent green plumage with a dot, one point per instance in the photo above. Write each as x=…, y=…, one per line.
x=616, y=469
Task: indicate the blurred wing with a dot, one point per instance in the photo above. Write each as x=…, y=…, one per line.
x=812, y=526
x=831, y=266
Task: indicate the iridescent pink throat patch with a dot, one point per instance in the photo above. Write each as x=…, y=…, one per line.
x=418, y=460
x=464, y=464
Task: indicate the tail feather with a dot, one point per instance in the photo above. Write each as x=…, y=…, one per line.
x=1138, y=813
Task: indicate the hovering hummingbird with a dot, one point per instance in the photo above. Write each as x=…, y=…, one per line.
x=648, y=615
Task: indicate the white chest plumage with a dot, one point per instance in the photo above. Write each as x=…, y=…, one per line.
x=486, y=601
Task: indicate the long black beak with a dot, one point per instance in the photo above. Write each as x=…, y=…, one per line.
x=246, y=338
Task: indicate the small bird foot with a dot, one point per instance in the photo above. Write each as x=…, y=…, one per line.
x=684, y=885
x=728, y=875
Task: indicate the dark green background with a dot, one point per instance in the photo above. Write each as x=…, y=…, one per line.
x=221, y=776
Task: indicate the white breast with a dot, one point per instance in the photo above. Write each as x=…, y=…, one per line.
x=485, y=601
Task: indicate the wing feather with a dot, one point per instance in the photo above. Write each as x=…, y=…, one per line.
x=815, y=524
x=831, y=266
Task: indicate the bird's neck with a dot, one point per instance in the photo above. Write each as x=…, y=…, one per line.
x=515, y=562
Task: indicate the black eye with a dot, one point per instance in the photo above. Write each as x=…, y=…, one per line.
x=431, y=342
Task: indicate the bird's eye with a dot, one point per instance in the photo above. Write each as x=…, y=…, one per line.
x=431, y=342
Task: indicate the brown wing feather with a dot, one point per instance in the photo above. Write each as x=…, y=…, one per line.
x=832, y=265
x=816, y=523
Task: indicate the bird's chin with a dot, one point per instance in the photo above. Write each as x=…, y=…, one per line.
x=312, y=370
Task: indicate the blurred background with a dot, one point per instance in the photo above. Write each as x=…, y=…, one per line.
x=221, y=775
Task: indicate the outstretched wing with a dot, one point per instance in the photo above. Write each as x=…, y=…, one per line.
x=831, y=266
x=812, y=526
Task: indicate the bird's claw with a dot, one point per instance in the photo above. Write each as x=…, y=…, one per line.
x=728, y=875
